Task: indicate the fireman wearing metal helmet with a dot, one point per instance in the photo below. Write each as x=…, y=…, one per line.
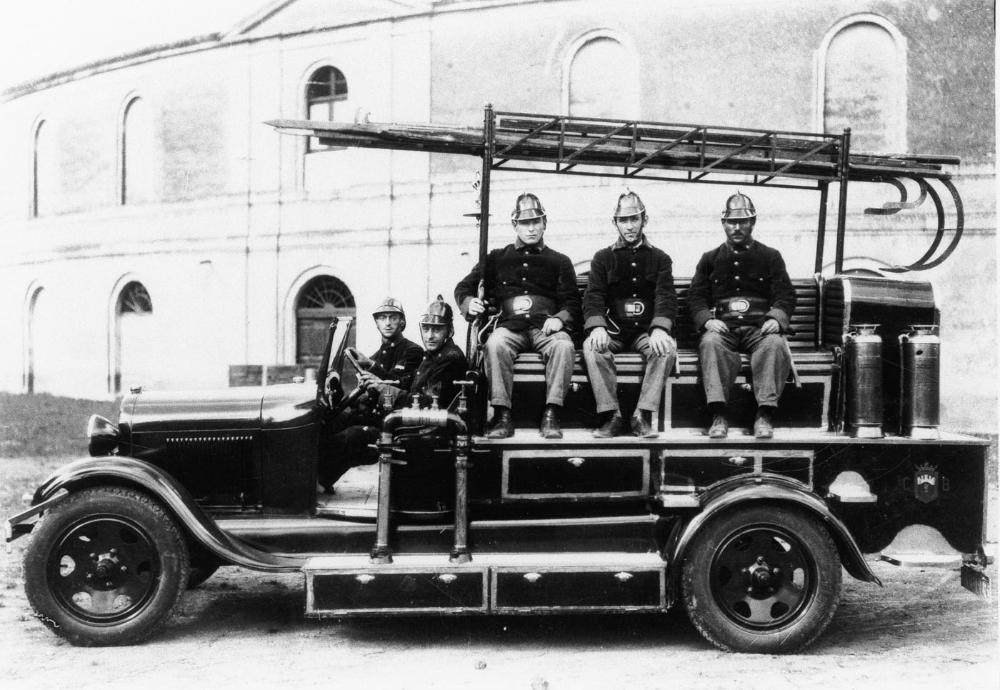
x=742, y=299
x=397, y=357
x=629, y=304
x=534, y=289
x=442, y=364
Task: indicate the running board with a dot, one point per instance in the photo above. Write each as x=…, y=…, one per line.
x=489, y=584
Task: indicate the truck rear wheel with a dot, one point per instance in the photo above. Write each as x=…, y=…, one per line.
x=106, y=566
x=762, y=579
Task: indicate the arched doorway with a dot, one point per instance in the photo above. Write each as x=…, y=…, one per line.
x=135, y=342
x=319, y=300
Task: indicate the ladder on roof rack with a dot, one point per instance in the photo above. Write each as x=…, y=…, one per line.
x=636, y=149
x=691, y=153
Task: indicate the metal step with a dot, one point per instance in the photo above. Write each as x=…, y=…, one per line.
x=498, y=583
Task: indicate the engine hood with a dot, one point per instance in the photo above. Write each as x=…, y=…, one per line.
x=249, y=408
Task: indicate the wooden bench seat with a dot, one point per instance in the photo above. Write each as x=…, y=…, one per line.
x=683, y=401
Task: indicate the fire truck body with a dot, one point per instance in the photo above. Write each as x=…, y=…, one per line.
x=749, y=533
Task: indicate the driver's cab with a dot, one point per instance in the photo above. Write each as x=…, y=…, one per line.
x=423, y=469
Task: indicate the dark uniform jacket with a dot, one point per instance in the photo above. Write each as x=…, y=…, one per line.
x=435, y=376
x=520, y=270
x=397, y=361
x=745, y=287
x=634, y=286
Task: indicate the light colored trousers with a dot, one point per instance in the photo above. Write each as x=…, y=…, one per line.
x=504, y=345
x=604, y=376
x=770, y=363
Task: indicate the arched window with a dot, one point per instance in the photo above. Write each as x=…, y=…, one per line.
x=601, y=78
x=136, y=153
x=326, y=99
x=31, y=338
x=134, y=299
x=318, y=302
x=863, y=76
x=43, y=173
x=136, y=345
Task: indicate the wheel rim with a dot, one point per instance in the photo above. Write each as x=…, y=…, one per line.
x=104, y=569
x=762, y=577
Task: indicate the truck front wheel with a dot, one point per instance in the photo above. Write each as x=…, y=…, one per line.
x=762, y=579
x=106, y=566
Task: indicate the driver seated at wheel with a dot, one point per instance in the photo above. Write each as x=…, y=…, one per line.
x=396, y=359
x=442, y=364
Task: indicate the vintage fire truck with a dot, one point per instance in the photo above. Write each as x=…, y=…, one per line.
x=751, y=535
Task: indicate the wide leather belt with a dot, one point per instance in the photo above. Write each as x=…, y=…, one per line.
x=741, y=308
x=526, y=306
x=631, y=309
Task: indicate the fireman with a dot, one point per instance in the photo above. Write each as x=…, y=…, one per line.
x=742, y=300
x=534, y=289
x=397, y=358
x=629, y=303
x=441, y=365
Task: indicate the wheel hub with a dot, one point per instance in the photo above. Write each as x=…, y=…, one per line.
x=104, y=569
x=761, y=577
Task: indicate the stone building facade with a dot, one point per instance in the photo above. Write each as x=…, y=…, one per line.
x=153, y=229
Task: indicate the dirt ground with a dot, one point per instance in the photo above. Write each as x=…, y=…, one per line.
x=922, y=630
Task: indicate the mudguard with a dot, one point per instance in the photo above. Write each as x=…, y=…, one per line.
x=774, y=489
x=125, y=471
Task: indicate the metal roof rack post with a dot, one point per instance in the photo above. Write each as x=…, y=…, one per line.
x=843, y=173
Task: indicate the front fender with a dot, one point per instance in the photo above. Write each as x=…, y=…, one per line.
x=774, y=489
x=116, y=470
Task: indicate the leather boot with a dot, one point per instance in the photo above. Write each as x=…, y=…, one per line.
x=550, y=423
x=720, y=426
x=503, y=425
x=612, y=427
x=762, y=427
x=641, y=426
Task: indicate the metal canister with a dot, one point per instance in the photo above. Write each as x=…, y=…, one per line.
x=920, y=382
x=863, y=359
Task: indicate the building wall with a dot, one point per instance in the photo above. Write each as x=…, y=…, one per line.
x=244, y=218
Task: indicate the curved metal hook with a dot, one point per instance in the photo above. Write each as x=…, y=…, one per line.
x=924, y=262
x=890, y=207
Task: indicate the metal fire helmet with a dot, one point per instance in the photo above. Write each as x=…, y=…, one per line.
x=739, y=206
x=527, y=207
x=629, y=204
x=439, y=313
x=390, y=305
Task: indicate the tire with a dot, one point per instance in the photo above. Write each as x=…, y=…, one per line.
x=762, y=579
x=107, y=566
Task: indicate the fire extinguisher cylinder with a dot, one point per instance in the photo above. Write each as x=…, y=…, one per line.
x=863, y=356
x=920, y=382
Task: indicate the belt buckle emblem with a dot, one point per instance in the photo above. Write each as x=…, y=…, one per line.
x=634, y=308
x=522, y=305
x=739, y=305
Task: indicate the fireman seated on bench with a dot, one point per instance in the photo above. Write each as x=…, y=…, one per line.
x=629, y=304
x=535, y=289
x=742, y=299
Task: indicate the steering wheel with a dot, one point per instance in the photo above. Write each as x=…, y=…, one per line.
x=348, y=400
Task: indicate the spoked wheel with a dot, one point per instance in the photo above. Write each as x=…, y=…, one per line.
x=762, y=579
x=105, y=567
